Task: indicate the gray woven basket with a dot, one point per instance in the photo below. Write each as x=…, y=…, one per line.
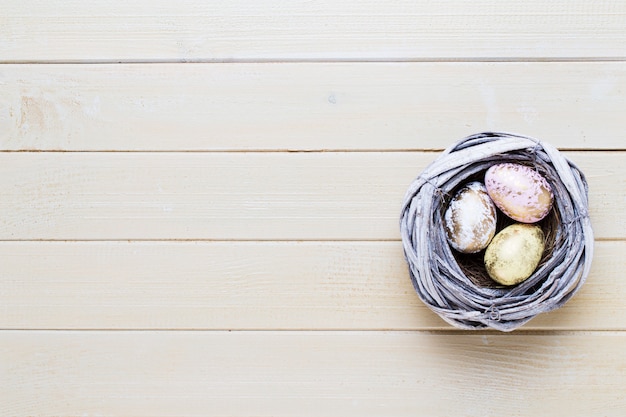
x=451, y=284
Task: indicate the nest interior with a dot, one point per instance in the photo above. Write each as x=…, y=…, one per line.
x=472, y=264
x=456, y=286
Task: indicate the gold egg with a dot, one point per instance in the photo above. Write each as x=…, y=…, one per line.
x=514, y=253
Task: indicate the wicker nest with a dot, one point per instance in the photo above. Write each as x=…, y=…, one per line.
x=456, y=286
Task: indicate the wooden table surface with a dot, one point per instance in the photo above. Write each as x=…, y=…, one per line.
x=200, y=205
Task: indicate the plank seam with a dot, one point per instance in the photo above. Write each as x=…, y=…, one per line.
x=315, y=61
x=273, y=151
x=434, y=331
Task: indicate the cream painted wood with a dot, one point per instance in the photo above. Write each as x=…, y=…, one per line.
x=251, y=285
x=250, y=196
x=116, y=30
x=311, y=373
x=201, y=275
x=304, y=106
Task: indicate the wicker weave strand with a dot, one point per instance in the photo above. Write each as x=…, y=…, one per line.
x=441, y=282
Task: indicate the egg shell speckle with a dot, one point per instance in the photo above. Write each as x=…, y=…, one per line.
x=470, y=219
x=514, y=253
x=519, y=191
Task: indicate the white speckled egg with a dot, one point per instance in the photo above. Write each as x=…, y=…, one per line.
x=470, y=219
x=514, y=253
x=519, y=191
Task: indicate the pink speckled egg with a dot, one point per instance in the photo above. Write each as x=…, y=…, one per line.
x=470, y=219
x=519, y=191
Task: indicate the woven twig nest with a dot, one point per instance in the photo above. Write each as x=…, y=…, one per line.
x=457, y=286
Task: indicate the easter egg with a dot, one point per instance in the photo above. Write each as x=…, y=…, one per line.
x=514, y=253
x=519, y=191
x=470, y=219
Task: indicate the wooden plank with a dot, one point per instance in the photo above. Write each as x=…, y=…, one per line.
x=311, y=373
x=251, y=285
x=76, y=30
x=249, y=196
x=345, y=106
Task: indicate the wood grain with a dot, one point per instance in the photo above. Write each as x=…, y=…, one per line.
x=339, y=106
x=245, y=196
x=76, y=30
x=251, y=285
x=311, y=373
